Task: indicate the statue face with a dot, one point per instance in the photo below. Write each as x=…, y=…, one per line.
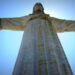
x=38, y=8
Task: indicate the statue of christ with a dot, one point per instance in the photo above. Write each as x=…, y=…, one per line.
x=40, y=52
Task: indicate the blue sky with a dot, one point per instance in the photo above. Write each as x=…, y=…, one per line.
x=10, y=40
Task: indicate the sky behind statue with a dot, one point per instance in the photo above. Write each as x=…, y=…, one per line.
x=10, y=40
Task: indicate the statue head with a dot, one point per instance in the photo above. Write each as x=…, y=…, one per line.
x=38, y=8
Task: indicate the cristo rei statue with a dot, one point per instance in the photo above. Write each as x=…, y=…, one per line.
x=40, y=52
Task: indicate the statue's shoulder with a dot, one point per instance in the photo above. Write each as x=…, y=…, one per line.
x=35, y=16
x=42, y=16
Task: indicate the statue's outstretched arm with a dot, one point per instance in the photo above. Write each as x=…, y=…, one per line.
x=63, y=25
x=13, y=23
